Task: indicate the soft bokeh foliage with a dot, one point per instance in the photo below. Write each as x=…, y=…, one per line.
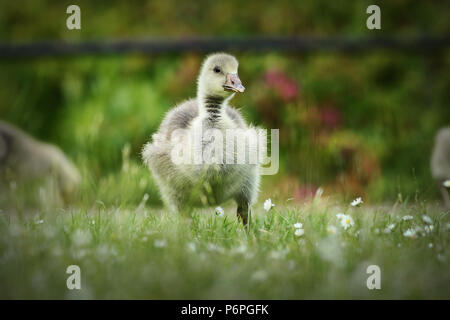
x=360, y=124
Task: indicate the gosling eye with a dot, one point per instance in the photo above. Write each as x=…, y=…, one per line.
x=217, y=69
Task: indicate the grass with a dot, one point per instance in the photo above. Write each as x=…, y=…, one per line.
x=145, y=253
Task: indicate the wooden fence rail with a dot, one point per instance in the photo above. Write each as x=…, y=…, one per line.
x=348, y=45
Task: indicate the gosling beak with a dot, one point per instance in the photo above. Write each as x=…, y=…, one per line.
x=233, y=83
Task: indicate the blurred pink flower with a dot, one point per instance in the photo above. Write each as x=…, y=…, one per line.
x=330, y=117
x=305, y=192
x=286, y=87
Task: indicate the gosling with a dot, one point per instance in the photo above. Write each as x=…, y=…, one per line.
x=183, y=186
x=24, y=159
x=440, y=162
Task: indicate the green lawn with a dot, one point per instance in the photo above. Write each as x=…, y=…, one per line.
x=146, y=253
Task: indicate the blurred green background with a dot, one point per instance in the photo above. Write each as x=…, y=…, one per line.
x=357, y=125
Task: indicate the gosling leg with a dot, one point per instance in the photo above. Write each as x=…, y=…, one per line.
x=244, y=212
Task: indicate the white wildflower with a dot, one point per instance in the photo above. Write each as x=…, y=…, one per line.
x=332, y=230
x=160, y=243
x=389, y=228
x=220, y=212
x=211, y=247
x=298, y=225
x=427, y=219
x=421, y=231
x=357, y=202
x=275, y=255
x=410, y=233
x=330, y=250
x=249, y=255
x=240, y=249
x=191, y=246
x=429, y=228
x=259, y=275
x=298, y=229
x=346, y=221
x=214, y=247
x=268, y=204
x=430, y=245
x=104, y=251
x=446, y=183
x=405, y=218
x=279, y=254
x=81, y=238
x=39, y=222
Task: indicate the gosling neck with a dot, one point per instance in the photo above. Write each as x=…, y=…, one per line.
x=212, y=107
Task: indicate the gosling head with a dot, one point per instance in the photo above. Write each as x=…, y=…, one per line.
x=219, y=76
